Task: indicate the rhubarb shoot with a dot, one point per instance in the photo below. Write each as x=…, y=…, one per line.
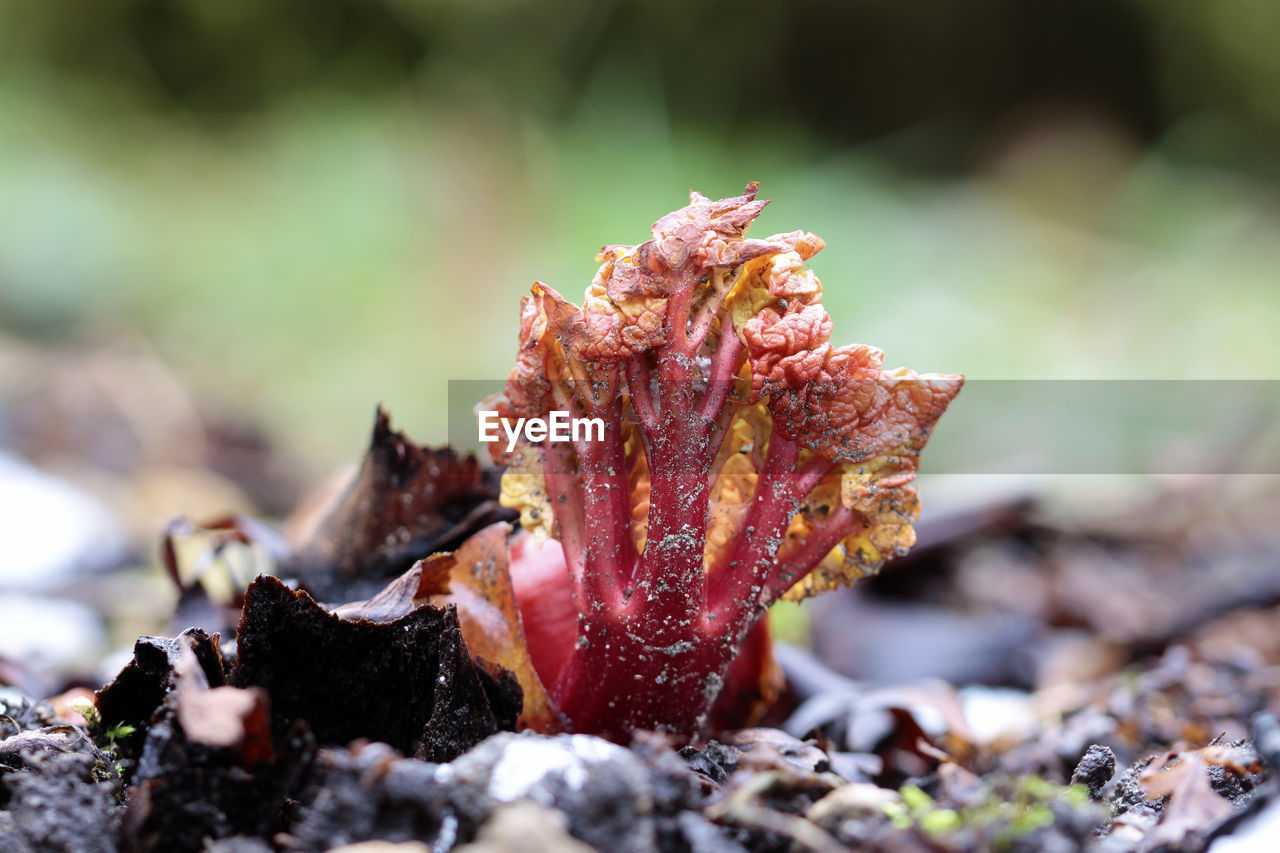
x=744, y=458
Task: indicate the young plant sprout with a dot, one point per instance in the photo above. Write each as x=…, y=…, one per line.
x=744, y=459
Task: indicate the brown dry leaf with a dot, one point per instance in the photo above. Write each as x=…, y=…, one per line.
x=405, y=502
x=937, y=699
x=765, y=748
x=427, y=577
x=480, y=587
x=219, y=716
x=1193, y=806
x=475, y=579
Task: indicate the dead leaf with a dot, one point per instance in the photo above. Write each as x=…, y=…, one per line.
x=409, y=682
x=405, y=502
x=1193, y=806
x=480, y=588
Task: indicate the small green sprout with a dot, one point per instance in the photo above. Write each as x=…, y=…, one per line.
x=1010, y=809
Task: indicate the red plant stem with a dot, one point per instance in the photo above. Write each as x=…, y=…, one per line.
x=609, y=553
x=679, y=500
x=702, y=322
x=813, y=472
x=638, y=378
x=677, y=316
x=655, y=651
x=652, y=660
x=754, y=556
x=796, y=564
x=566, y=496
x=607, y=549
x=649, y=658
x=618, y=680
x=671, y=575
x=724, y=367
x=738, y=577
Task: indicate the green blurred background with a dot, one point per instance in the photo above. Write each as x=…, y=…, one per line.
x=305, y=208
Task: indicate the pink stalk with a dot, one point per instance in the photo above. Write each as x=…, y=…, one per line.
x=799, y=562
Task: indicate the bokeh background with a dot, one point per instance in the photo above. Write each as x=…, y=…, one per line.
x=301, y=209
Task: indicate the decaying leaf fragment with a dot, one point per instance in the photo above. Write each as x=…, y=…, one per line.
x=205, y=763
x=405, y=502
x=408, y=681
x=475, y=580
x=479, y=586
x=1193, y=806
x=139, y=692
